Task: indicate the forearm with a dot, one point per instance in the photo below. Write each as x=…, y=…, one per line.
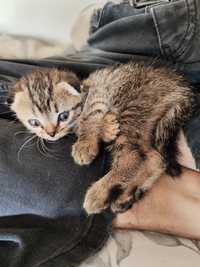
x=172, y=206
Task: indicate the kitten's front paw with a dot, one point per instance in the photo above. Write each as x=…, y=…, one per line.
x=84, y=152
x=134, y=192
x=96, y=199
x=102, y=194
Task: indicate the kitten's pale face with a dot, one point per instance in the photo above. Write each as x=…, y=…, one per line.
x=52, y=119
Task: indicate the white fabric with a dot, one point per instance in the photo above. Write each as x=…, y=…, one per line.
x=44, y=19
x=146, y=249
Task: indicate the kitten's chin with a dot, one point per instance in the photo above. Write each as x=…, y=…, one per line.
x=52, y=139
x=55, y=138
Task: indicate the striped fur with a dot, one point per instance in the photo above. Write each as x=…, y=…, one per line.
x=141, y=108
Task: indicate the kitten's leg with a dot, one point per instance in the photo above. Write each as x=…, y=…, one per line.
x=175, y=111
x=86, y=147
x=110, y=127
x=100, y=194
x=148, y=173
x=164, y=130
x=92, y=130
x=130, y=177
x=105, y=191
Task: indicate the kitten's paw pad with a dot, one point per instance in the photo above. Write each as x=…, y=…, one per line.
x=96, y=199
x=84, y=152
x=110, y=128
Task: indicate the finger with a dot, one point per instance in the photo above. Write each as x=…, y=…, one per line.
x=127, y=220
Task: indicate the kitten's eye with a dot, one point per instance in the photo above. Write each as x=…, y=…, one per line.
x=34, y=122
x=63, y=116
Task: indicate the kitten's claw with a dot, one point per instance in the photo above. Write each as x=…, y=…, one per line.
x=132, y=193
x=122, y=205
x=139, y=193
x=84, y=152
x=143, y=188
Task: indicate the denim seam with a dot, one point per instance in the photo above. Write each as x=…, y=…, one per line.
x=101, y=12
x=181, y=50
x=157, y=30
x=189, y=25
x=177, y=53
x=93, y=19
x=148, y=7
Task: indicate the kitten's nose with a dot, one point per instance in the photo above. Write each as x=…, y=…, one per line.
x=51, y=130
x=52, y=134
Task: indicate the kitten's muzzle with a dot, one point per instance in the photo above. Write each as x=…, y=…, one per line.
x=50, y=129
x=52, y=134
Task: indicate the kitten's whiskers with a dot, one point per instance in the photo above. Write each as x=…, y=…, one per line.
x=24, y=144
x=46, y=147
x=41, y=151
x=42, y=148
x=22, y=132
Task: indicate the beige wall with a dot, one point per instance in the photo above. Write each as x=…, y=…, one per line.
x=47, y=19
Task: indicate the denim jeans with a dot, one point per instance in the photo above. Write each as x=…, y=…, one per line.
x=41, y=220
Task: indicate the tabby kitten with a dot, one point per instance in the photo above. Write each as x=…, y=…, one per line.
x=47, y=102
x=149, y=105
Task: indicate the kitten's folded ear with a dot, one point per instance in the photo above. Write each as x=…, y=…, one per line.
x=12, y=90
x=70, y=89
x=73, y=80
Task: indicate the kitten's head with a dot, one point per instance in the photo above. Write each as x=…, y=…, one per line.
x=47, y=102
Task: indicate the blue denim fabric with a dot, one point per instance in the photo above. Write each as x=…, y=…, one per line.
x=167, y=29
